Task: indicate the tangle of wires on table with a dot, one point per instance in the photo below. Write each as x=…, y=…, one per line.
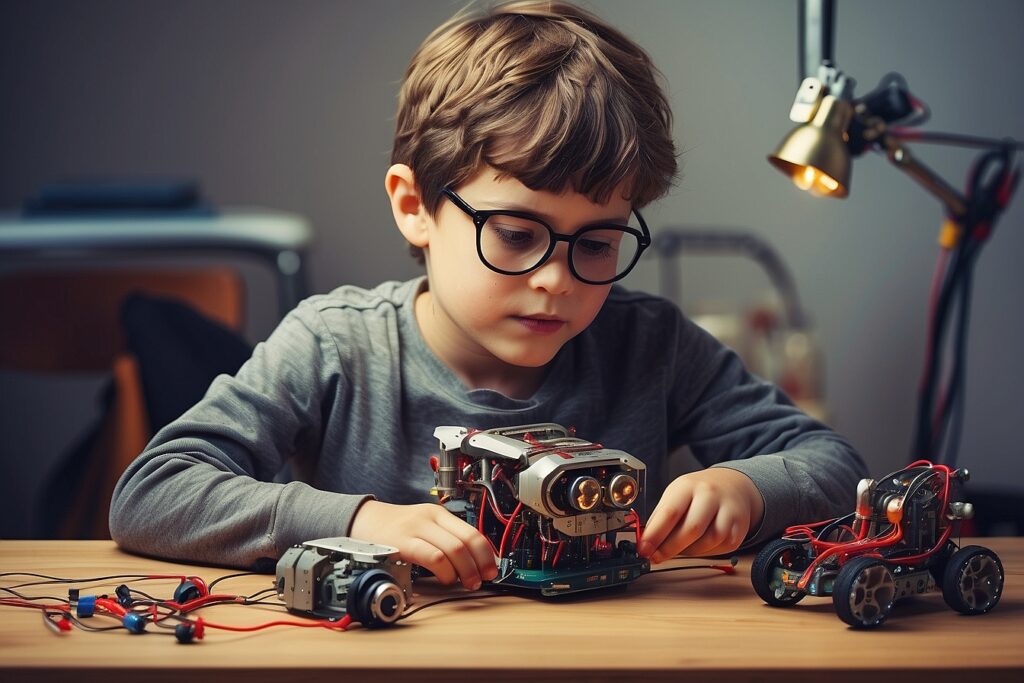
x=133, y=609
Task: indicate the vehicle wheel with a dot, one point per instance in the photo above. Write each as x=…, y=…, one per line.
x=779, y=553
x=864, y=592
x=973, y=581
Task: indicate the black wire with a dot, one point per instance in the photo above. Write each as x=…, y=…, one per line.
x=268, y=600
x=953, y=396
x=458, y=598
x=979, y=199
x=260, y=593
x=56, y=579
x=25, y=597
x=147, y=596
x=213, y=583
x=89, y=627
x=959, y=374
x=38, y=576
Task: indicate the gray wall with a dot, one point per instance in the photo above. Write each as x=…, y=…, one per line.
x=290, y=105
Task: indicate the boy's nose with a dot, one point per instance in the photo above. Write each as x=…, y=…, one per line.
x=554, y=275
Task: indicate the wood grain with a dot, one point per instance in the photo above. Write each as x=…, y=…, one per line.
x=701, y=625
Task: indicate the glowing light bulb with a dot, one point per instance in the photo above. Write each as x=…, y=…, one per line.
x=623, y=490
x=585, y=493
x=815, y=182
x=805, y=180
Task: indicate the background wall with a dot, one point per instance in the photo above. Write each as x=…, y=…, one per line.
x=290, y=106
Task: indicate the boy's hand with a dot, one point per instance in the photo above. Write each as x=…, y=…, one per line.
x=702, y=513
x=430, y=536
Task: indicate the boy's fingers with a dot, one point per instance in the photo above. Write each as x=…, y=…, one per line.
x=419, y=551
x=663, y=521
x=699, y=517
x=724, y=536
x=478, y=547
x=456, y=552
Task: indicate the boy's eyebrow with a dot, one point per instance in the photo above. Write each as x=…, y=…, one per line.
x=548, y=218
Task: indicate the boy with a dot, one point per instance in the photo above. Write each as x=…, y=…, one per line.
x=527, y=140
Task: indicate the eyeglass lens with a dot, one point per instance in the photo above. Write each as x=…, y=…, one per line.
x=516, y=245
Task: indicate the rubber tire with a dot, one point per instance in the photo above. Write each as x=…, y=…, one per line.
x=843, y=595
x=763, y=570
x=952, y=585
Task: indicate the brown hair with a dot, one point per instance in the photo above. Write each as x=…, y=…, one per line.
x=543, y=92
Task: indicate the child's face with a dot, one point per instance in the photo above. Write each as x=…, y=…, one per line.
x=487, y=324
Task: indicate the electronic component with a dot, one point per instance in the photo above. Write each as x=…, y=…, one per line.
x=551, y=504
x=334, y=577
x=895, y=544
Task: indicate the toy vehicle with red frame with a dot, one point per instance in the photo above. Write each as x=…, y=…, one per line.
x=896, y=544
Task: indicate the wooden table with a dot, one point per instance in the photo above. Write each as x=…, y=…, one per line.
x=698, y=625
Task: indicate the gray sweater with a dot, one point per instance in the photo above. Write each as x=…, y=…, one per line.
x=347, y=393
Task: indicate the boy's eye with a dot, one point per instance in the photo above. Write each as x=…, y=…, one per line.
x=514, y=236
x=597, y=246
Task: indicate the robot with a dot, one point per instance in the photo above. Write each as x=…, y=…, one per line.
x=549, y=503
x=897, y=543
x=332, y=578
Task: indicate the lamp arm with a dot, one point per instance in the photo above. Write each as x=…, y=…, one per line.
x=901, y=157
x=954, y=139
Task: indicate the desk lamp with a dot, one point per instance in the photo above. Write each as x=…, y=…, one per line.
x=833, y=128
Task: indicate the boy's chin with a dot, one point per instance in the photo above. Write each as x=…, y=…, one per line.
x=529, y=361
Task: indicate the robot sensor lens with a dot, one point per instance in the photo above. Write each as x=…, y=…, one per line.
x=585, y=493
x=623, y=490
x=388, y=606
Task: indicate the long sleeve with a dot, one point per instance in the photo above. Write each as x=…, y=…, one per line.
x=730, y=418
x=202, y=490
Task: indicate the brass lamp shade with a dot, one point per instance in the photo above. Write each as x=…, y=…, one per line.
x=815, y=155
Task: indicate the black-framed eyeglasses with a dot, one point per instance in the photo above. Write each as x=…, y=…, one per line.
x=515, y=242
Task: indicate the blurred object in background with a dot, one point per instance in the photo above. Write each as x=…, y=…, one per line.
x=90, y=197
x=96, y=218
x=80, y=299
x=772, y=335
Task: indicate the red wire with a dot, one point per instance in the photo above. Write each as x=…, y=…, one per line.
x=17, y=602
x=636, y=525
x=891, y=538
x=341, y=625
x=519, y=531
x=508, y=528
x=201, y=602
x=480, y=519
x=894, y=536
x=558, y=553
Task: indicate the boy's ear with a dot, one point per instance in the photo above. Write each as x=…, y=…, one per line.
x=407, y=204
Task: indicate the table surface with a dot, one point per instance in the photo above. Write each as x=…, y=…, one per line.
x=700, y=624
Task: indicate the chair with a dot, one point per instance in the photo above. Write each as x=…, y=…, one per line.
x=69, y=322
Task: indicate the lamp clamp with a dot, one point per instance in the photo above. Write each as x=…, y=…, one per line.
x=814, y=89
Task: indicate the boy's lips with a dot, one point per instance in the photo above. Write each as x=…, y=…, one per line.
x=543, y=324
